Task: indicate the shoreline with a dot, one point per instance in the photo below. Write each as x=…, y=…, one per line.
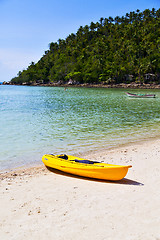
x=36, y=167
x=41, y=204
x=101, y=85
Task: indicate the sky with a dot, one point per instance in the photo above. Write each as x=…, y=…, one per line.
x=28, y=26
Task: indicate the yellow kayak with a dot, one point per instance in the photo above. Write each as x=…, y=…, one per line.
x=84, y=167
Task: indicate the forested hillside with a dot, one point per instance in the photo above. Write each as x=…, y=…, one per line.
x=113, y=50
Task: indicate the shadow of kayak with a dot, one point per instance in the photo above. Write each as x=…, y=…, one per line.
x=124, y=181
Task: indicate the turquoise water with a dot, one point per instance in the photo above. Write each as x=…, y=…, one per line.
x=39, y=120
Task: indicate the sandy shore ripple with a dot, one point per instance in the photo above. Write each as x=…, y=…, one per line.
x=38, y=204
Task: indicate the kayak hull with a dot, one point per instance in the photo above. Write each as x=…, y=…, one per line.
x=95, y=170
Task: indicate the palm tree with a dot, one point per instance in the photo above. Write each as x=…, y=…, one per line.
x=117, y=20
x=101, y=21
x=110, y=19
x=92, y=26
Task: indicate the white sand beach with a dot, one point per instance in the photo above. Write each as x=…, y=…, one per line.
x=39, y=204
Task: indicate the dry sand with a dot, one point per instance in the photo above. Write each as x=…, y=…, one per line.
x=40, y=204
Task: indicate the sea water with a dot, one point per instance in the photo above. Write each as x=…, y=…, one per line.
x=39, y=120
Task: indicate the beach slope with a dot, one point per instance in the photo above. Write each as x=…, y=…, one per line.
x=36, y=203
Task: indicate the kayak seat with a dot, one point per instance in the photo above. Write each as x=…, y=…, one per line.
x=63, y=156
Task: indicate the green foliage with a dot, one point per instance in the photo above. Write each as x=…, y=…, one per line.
x=77, y=76
x=108, y=51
